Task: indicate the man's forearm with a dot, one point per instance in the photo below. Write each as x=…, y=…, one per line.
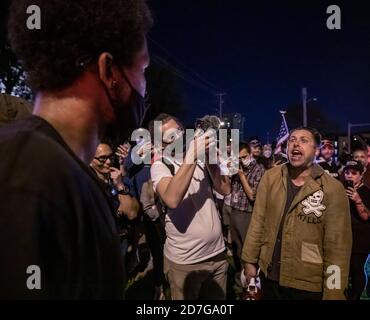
x=175, y=191
x=363, y=212
x=246, y=187
x=221, y=183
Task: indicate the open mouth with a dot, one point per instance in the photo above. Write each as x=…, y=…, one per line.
x=296, y=155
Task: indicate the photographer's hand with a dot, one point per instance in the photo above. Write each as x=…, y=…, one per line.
x=123, y=152
x=116, y=176
x=353, y=194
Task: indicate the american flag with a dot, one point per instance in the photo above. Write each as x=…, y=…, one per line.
x=283, y=134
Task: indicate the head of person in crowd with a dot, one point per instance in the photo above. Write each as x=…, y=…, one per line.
x=256, y=148
x=303, y=143
x=353, y=171
x=344, y=156
x=368, y=151
x=91, y=57
x=170, y=130
x=267, y=151
x=245, y=156
x=362, y=156
x=103, y=160
x=327, y=149
x=142, y=152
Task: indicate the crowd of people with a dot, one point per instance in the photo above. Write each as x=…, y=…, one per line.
x=296, y=225
x=192, y=219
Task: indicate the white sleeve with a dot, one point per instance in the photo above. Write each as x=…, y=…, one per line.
x=158, y=171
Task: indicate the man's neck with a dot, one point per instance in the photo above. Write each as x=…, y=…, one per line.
x=76, y=120
x=329, y=161
x=299, y=175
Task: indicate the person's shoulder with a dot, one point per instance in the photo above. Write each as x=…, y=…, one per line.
x=274, y=171
x=30, y=153
x=165, y=163
x=365, y=189
x=331, y=184
x=26, y=138
x=157, y=165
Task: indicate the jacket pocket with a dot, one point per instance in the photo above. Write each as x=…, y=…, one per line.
x=310, y=253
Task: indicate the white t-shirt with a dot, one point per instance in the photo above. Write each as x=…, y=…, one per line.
x=193, y=229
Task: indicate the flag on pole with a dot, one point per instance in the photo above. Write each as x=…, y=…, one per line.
x=283, y=134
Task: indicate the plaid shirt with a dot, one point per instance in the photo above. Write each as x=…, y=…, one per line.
x=239, y=199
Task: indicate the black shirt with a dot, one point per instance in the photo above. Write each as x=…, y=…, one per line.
x=330, y=167
x=274, y=268
x=54, y=214
x=360, y=228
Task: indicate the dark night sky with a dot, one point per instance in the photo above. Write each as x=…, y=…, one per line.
x=261, y=53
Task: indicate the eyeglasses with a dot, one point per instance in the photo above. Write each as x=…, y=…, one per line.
x=103, y=159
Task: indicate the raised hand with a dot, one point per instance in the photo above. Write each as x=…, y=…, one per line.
x=123, y=151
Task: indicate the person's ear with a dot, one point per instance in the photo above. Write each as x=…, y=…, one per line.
x=317, y=151
x=105, y=67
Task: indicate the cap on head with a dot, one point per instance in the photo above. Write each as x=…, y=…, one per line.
x=354, y=165
x=255, y=143
x=327, y=143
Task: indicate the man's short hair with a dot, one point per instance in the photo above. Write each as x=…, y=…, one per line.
x=255, y=143
x=73, y=34
x=360, y=150
x=164, y=117
x=244, y=145
x=315, y=133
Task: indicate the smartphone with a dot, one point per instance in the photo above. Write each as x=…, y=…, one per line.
x=349, y=184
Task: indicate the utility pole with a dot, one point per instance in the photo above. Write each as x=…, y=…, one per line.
x=304, y=103
x=221, y=102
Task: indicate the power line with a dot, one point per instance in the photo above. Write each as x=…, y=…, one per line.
x=161, y=62
x=202, y=79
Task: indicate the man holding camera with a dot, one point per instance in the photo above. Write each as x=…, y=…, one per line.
x=195, y=261
x=300, y=230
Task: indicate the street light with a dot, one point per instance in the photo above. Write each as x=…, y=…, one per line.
x=305, y=101
x=350, y=126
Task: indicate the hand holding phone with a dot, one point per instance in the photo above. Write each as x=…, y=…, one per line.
x=349, y=184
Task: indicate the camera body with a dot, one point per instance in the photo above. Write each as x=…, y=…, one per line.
x=208, y=122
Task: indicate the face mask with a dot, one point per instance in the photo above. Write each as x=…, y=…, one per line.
x=128, y=116
x=247, y=162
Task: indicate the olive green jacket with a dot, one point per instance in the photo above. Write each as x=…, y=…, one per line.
x=316, y=233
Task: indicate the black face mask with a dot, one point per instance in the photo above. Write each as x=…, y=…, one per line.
x=128, y=116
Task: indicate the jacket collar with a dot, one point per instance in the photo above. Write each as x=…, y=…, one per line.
x=311, y=186
x=316, y=172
